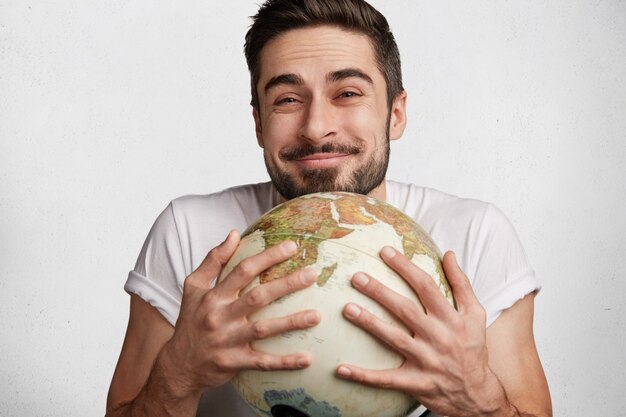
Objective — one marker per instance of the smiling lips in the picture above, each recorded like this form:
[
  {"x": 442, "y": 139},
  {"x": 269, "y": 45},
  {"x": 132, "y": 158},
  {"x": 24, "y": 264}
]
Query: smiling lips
[{"x": 322, "y": 160}]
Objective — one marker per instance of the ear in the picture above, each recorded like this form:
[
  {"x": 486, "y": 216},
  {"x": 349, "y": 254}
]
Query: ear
[
  {"x": 257, "y": 126},
  {"x": 397, "y": 122}
]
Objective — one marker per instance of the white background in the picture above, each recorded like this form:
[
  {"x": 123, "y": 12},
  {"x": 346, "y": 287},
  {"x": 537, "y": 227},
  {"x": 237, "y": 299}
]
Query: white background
[{"x": 109, "y": 109}]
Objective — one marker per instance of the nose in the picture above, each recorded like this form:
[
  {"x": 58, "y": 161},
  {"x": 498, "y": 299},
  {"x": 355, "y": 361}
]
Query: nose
[{"x": 319, "y": 121}]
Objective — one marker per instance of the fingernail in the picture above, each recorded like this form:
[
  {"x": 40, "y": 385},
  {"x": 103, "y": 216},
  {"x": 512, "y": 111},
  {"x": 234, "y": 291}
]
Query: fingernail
[
  {"x": 230, "y": 235},
  {"x": 308, "y": 276},
  {"x": 303, "y": 362},
  {"x": 288, "y": 247},
  {"x": 352, "y": 311},
  {"x": 311, "y": 318},
  {"x": 343, "y": 371},
  {"x": 388, "y": 252},
  {"x": 360, "y": 279}
]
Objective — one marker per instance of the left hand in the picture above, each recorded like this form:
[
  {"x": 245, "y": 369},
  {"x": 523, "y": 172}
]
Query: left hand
[{"x": 446, "y": 359}]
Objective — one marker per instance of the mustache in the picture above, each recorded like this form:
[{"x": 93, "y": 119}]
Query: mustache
[{"x": 307, "y": 149}]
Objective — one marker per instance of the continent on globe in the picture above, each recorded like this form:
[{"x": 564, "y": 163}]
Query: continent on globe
[
  {"x": 330, "y": 216},
  {"x": 337, "y": 235}
]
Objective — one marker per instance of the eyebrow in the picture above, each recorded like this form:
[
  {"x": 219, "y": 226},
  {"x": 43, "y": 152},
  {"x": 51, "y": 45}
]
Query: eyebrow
[
  {"x": 294, "y": 79},
  {"x": 283, "y": 79},
  {"x": 348, "y": 73}
]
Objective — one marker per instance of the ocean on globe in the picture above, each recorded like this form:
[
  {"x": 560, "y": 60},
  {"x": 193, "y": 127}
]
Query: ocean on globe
[{"x": 337, "y": 234}]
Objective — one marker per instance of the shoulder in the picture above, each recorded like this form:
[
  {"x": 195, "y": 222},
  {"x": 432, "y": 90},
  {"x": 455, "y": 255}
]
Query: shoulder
[
  {"x": 243, "y": 195},
  {"x": 192, "y": 225},
  {"x": 484, "y": 240},
  {"x": 478, "y": 231},
  {"x": 238, "y": 205},
  {"x": 432, "y": 208}
]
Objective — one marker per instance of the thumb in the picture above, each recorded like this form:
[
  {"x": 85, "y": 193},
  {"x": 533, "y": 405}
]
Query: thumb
[
  {"x": 215, "y": 260},
  {"x": 461, "y": 286}
]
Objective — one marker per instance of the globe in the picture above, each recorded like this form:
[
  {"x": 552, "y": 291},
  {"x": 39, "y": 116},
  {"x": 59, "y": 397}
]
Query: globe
[{"x": 337, "y": 234}]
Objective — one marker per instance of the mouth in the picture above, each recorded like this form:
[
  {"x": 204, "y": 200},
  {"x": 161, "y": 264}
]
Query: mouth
[
  {"x": 329, "y": 155},
  {"x": 323, "y": 160}
]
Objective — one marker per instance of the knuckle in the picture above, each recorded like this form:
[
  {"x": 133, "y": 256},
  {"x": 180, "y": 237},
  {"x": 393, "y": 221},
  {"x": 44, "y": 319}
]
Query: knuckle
[
  {"x": 189, "y": 285},
  {"x": 423, "y": 283},
  {"x": 297, "y": 322},
  {"x": 357, "y": 376},
  {"x": 457, "y": 322},
  {"x": 211, "y": 322},
  {"x": 260, "y": 330},
  {"x": 211, "y": 261},
  {"x": 275, "y": 253},
  {"x": 263, "y": 364},
  {"x": 385, "y": 381},
  {"x": 438, "y": 367},
  {"x": 255, "y": 298},
  {"x": 407, "y": 310},
  {"x": 245, "y": 268},
  {"x": 446, "y": 348},
  {"x": 405, "y": 265},
  {"x": 222, "y": 361},
  {"x": 293, "y": 283},
  {"x": 213, "y": 256},
  {"x": 368, "y": 321},
  {"x": 288, "y": 363},
  {"x": 375, "y": 289},
  {"x": 403, "y": 343}
]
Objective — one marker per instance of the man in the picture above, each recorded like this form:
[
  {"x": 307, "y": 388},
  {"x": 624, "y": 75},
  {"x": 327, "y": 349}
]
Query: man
[{"x": 327, "y": 98}]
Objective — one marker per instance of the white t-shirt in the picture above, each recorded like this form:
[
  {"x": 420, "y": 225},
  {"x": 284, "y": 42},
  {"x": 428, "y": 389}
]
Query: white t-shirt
[{"x": 486, "y": 246}]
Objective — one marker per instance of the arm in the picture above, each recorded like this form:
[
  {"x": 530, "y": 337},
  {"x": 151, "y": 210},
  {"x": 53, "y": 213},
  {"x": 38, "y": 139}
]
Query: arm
[
  {"x": 514, "y": 360},
  {"x": 451, "y": 365},
  {"x": 146, "y": 334},
  {"x": 162, "y": 371}
]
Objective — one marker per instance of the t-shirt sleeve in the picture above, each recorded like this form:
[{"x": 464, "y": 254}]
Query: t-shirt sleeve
[
  {"x": 159, "y": 273},
  {"x": 502, "y": 274}
]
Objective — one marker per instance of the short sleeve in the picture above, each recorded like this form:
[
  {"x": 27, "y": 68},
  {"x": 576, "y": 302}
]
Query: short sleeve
[
  {"x": 502, "y": 274},
  {"x": 159, "y": 273}
]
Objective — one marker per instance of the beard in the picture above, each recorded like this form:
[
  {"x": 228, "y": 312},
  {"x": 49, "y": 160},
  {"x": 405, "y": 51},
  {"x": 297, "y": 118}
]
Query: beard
[{"x": 362, "y": 180}]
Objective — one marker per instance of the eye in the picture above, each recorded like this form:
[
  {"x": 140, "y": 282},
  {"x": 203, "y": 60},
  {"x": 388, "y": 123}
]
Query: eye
[
  {"x": 286, "y": 100},
  {"x": 348, "y": 94}
]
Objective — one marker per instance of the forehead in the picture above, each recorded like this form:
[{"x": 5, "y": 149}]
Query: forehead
[{"x": 317, "y": 49}]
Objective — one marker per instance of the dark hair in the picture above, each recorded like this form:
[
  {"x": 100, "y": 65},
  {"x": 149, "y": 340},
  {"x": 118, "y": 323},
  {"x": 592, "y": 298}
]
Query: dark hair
[{"x": 279, "y": 16}]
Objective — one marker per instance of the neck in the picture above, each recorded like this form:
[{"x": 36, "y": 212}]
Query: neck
[{"x": 379, "y": 193}]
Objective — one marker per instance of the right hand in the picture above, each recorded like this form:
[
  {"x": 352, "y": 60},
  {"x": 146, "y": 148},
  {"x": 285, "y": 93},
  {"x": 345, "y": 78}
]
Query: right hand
[{"x": 213, "y": 334}]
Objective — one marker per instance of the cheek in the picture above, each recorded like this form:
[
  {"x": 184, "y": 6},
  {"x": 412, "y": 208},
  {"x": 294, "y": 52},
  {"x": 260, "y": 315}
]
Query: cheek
[
  {"x": 277, "y": 132},
  {"x": 364, "y": 121}
]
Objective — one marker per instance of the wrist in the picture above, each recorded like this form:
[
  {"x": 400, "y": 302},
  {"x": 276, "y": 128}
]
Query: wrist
[
  {"x": 176, "y": 382},
  {"x": 495, "y": 402},
  {"x": 163, "y": 395}
]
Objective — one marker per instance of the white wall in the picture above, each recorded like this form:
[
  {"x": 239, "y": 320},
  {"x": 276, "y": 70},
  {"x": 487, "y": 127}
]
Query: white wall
[{"x": 109, "y": 109}]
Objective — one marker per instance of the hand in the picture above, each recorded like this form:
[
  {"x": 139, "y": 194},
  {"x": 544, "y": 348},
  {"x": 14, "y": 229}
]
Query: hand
[
  {"x": 211, "y": 342},
  {"x": 445, "y": 365}
]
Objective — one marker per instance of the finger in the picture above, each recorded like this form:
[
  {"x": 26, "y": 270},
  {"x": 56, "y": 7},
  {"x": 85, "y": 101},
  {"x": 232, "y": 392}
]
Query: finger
[
  {"x": 423, "y": 284},
  {"x": 262, "y": 329},
  {"x": 461, "y": 287},
  {"x": 215, "y": 260},
  {"x": 406, "y": 310},
  {"x": 386, "y": 378},
  {"x": 394, "y": 337},
  {"x": 251, "y": 267},
  {"x": 265, "y": 362},
  {"x": 263, "y": 295},
  {"x": 397, "y": 379}
]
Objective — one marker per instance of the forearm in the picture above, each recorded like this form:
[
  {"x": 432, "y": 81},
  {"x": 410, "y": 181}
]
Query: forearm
[
  {"x": 504, "y": 407},
  {"x": 165, "y": 394}
]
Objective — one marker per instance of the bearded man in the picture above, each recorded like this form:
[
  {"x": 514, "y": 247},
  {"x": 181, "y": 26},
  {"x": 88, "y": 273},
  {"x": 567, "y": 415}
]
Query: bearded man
[{"x": 327, "y": 99}]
